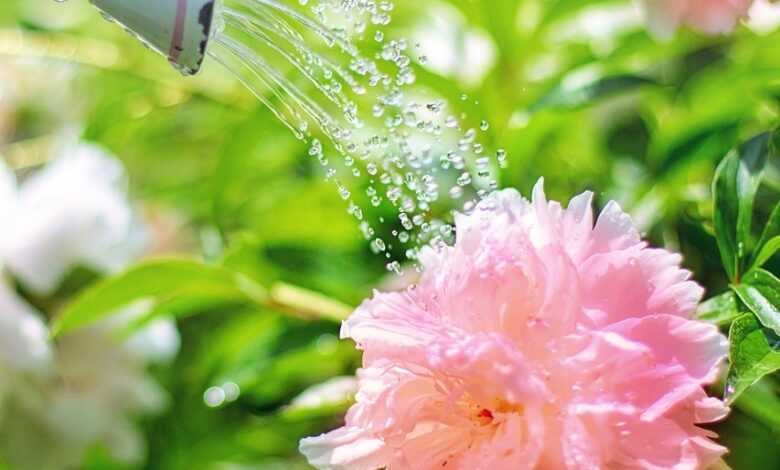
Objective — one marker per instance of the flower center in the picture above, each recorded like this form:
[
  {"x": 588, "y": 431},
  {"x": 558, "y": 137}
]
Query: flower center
[{"x": 486, "y": 416}]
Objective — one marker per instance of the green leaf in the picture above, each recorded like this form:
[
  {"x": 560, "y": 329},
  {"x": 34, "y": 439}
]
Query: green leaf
[
  {"x": 750, "y": 431},
  {"x": 720, "y": 310},
  {"x": 762, "y": 403},
  {"x": 751, "y": 356},
  {"x": 574, "y": 96},
  {"x": 183, "y": 302},
  {"x": 734, "y": 189},
  {"x": 163, "y": 281},
  {"x": 766, "y": 251},
  {"x": 760, "y": 291},
  {"x": 769, "y": 243}
]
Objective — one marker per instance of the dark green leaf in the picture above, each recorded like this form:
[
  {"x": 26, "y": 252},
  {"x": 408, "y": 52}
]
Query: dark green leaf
[
  {"x": 751, "y": 356},
  {"x": 760, "y": 291},
  {"x": 720, "y": 310},
  {"x": 162, "y": 281},
  {"x": 734, "y": 189}
]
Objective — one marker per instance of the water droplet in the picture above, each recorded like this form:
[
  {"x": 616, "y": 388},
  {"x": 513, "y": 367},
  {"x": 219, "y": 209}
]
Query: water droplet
[
  {"x": 214, "y": 397},
  {"x": 464, "y": 179},
  {"x": 378, "y": 245},
  {"x": 232, "y": 391},
  {"x": 501, "y": 157},
  {"x": 395, "y": 267}
]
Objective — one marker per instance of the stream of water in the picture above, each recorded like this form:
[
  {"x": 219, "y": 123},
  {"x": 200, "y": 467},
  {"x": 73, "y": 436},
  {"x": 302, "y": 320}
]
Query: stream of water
[{"x": 332, "y": 74}]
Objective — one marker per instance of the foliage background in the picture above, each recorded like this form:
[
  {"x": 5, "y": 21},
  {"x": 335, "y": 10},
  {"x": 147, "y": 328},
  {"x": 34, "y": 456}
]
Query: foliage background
[{"x": 578, "y": 93}]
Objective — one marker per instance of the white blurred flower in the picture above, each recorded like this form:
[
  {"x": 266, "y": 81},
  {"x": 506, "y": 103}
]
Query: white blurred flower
[
  {"x": 8, "y": 192},
  {"x": 88, "y": 387},
  {"x": 73, "y": 212},
  {"x": 764, "y": 16},
  {"x": 24, "y": 338},
  {"x": 601, "y": 26},
  {"x": 157, "y": 342},
  {"x": 98, "y": 388},
  {"x": 452, "y": 48}
]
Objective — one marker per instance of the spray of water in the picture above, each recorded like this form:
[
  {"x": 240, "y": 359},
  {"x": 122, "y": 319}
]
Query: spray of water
[{"x": 359, "y": 113}]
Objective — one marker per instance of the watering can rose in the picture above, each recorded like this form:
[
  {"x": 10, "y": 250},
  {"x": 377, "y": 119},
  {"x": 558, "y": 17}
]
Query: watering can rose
[
  {"x": 539, "y": 340},
  {"x": 706, "y": 16}
]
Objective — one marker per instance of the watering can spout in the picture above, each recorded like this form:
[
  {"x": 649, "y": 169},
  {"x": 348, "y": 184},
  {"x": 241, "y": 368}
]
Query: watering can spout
[{"x": 178, "y": 29}]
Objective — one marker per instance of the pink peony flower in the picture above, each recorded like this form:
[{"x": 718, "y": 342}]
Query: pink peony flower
[
  {"x": 707, "y": 16},
  {"x": 537, "y": 341}
]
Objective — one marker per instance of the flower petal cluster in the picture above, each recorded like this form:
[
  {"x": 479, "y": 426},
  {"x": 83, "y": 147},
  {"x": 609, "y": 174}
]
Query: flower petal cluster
[{"x": 539, "y": 340}]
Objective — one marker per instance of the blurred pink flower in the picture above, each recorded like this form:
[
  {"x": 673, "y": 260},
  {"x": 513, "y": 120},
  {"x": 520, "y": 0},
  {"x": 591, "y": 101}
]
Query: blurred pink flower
[
  {"x": 707, "y": 16},
  {"x": 537, "y": 341}
]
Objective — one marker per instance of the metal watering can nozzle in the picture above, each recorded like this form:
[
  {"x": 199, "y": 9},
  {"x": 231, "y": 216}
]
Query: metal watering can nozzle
[{"x": 178, "y": 29}]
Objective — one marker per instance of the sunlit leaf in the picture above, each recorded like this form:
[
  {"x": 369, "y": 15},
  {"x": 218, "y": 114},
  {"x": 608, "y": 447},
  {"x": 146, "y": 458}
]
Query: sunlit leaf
[
  {"x": 751, "y": 356},
  {"x": 720, "y": 310},
  {"x": 760, "y": 291},
  {"x": 160, "y": 281}
]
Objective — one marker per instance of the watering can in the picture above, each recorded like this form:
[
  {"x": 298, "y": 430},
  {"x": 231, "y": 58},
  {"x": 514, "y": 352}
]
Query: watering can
[{"x": 177, "y": 29}]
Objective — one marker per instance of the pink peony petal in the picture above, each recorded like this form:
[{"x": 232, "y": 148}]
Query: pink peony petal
[{"x": 707, "y": 16}]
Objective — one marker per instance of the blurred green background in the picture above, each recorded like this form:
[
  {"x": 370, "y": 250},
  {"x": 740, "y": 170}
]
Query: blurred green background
[{"x": 575, "y": 91}]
